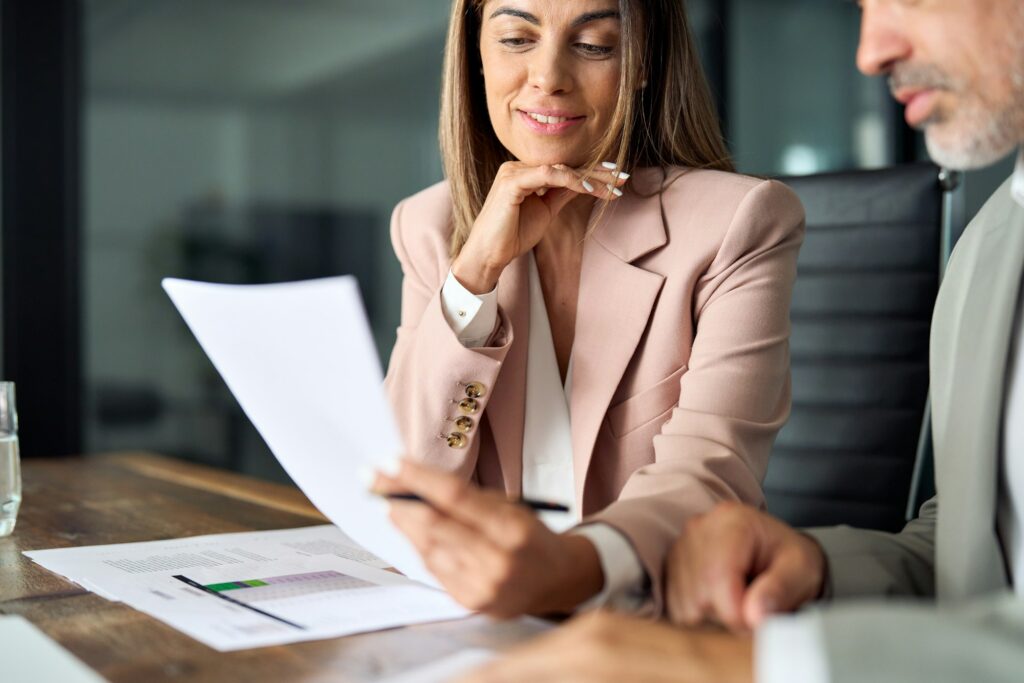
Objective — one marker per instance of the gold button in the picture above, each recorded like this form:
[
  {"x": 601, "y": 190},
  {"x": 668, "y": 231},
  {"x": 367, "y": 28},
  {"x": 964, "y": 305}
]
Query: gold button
[
  {"x": 464, "y": 424},
  {"x": 456, "y": 440},
  {"x": 475, "y": 390},
  {"x": 468, "y": 406}
]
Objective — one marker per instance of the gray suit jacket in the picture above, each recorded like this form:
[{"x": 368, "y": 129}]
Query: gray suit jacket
[{"x": 974, "y": 630}]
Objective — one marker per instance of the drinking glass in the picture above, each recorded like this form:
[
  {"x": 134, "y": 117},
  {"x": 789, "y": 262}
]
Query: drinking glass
[{"x": 10, "y": 465}]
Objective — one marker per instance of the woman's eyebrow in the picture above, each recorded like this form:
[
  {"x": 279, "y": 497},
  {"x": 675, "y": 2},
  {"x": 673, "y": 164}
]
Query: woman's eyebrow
[
  {"x": 526, "y": 16},
  {"x": 594, "y": 16},
  {"x": 578, "y": 21}
]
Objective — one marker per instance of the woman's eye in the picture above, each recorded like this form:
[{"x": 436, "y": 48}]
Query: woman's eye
[
  {"x": 513, "y": 42},
  {"x": 595, "y": 50}
]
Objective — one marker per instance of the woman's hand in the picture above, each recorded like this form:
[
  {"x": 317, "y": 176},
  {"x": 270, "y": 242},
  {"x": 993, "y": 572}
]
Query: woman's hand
[
  {"x": 491, "y": 555},
  {"x": 522, "y": 204}
]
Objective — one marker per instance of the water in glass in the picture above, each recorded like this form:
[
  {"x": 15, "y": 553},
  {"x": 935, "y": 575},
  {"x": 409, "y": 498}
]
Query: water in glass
[
  {"x": 10, "y": 462},
  {"x": 10, "y": 483}
]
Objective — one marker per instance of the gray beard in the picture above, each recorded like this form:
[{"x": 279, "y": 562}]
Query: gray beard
[
  {"x": 991, "y": 134},
  {"x": 991, "y": 142}
]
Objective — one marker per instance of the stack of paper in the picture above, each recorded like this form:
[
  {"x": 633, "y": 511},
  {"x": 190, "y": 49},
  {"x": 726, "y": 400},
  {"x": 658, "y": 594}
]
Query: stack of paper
[{"x": 235, "y": 591}]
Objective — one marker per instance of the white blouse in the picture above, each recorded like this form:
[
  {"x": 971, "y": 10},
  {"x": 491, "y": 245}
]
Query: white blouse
[{"x": 547, "y": 437}]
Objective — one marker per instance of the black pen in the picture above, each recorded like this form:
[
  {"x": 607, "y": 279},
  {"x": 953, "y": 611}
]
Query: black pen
[{"x": 535, "y": 505}]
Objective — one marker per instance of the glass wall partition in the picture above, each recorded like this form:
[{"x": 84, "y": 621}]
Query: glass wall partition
[
  {"x": 267, "y": 140},
  {"x": 238, "y": 141}
]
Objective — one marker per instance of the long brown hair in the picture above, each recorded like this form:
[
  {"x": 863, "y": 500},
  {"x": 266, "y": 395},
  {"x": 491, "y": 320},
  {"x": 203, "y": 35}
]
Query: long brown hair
[{"x": 672, "y": 122}]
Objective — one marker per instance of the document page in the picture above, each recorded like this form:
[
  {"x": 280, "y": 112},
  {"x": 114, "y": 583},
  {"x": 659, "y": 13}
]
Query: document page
[
  {"x": 300, "y": 360},
  {"x": 243, "y": 590},
  {"x": 30, "y": 656}
]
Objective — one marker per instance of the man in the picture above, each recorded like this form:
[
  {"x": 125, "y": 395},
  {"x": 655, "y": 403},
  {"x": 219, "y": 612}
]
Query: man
[{"x": 958, "y": 66}]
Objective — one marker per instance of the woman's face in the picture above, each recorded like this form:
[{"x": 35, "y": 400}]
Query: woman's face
[{"x": 551, "y": 72}]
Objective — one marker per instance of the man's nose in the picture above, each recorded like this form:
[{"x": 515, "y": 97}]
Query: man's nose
[{"x": 883, "y": 42}]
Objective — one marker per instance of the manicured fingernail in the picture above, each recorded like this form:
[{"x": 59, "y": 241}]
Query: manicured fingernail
[
  {"x": 609, "y": 165},
  {"x": 614, "y": 190},
  {"x": 391, "y": 466},
  {"x": 587, "y": 186},
  {"x": 622, "y": 175}
]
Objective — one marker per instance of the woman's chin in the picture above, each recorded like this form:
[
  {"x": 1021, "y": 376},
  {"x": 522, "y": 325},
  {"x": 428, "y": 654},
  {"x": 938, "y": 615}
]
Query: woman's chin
[
  {"x": 550, "y": 159},
  {"x": 549, "y": 155}
]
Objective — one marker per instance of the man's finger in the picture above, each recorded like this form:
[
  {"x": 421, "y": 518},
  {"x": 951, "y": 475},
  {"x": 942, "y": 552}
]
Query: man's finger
[
  {"x": 782, "y": 587},
  {"x": 725, "y": 566}
]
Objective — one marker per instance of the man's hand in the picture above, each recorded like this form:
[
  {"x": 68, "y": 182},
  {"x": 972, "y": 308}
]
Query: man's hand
[
  {"x": 491, "y": 555},
  {"x": 736, "y": 566},
  {"x": 605, "y": 648}
]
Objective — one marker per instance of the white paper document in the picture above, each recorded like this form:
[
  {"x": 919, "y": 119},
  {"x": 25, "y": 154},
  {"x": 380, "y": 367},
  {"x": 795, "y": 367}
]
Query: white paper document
[
  {"x": 299, "y": 358},
  {"x": 27, "y": 655},
  {"x": 252, "y": 589}
]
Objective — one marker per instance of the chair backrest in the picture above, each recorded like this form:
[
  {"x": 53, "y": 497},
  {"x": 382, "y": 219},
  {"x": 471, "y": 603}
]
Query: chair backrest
[{"x": 868, "y": 275}]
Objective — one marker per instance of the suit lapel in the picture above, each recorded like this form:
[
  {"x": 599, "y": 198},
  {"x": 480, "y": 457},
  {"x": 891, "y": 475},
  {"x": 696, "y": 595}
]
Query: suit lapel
[
  {"x": 507, "y": 410},
  {"x": 615, "y": 302},
  {"x": 967, "y": 455}
]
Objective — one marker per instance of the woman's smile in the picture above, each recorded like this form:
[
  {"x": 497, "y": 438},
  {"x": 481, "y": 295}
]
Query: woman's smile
[{"x": 550, "y": 121}]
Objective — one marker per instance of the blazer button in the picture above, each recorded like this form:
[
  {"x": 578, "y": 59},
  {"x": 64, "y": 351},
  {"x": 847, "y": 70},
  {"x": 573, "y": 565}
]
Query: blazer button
[
  {"x": 468, "y": 406},
  {"x": 456, "y": 440},
  {"x": 464, "y": 424},
  {"x": 475, "y": 390}
]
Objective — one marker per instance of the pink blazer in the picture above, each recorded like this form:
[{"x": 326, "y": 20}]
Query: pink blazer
[{"x": 680, "y": 359}]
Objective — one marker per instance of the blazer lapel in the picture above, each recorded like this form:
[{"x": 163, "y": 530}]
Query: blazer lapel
[
  {"x": 506, "y": 411},
  {"x": 615, "y": 301},
  {"x": 967, "y": 457}
]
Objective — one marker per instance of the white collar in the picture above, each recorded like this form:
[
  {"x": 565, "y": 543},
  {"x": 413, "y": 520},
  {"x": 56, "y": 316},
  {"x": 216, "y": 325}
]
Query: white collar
[{"x": 1017, "y": 186}]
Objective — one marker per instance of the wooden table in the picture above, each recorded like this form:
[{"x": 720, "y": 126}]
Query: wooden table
[{"x": 121, "y": 498}]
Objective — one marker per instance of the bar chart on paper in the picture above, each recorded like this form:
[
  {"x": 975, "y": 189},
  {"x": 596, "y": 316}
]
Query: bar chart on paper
[
  {"x": 237, "y": 591},
  {"x": 307, "y": 600},
  {"x": 290, "y": 586}
]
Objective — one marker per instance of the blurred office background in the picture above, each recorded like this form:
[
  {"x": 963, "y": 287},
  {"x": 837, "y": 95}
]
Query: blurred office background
[{"x": 268, "y": 140}]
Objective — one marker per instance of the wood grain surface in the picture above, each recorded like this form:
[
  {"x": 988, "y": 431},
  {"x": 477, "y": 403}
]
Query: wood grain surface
[{"x": 120, "y": 498}]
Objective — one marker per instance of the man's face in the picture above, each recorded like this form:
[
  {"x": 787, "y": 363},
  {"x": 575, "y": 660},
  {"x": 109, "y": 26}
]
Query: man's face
[{"x": 958, "y": 66}]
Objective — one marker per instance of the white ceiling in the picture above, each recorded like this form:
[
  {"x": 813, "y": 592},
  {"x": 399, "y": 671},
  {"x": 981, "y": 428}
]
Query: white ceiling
[{"x": 246, "y": 49}]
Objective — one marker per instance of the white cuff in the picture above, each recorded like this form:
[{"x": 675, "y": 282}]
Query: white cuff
[
  {"x": 790, "y": 649},
  {"x": 624, "y": 575},
  {"x": 472, "y": 317}
]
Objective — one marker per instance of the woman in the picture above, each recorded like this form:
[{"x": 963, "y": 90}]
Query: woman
[{"x": 573, "y": 332}]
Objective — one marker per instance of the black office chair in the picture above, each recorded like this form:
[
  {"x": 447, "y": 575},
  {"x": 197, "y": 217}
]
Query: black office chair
[{"x": 868, "y": 275}]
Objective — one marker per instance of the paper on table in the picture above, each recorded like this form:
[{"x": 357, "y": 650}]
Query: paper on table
[
  {"x": 300, "y": 360},
  {"x": 30, "y": 656},
  {"x": 298, "y": 585}
]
